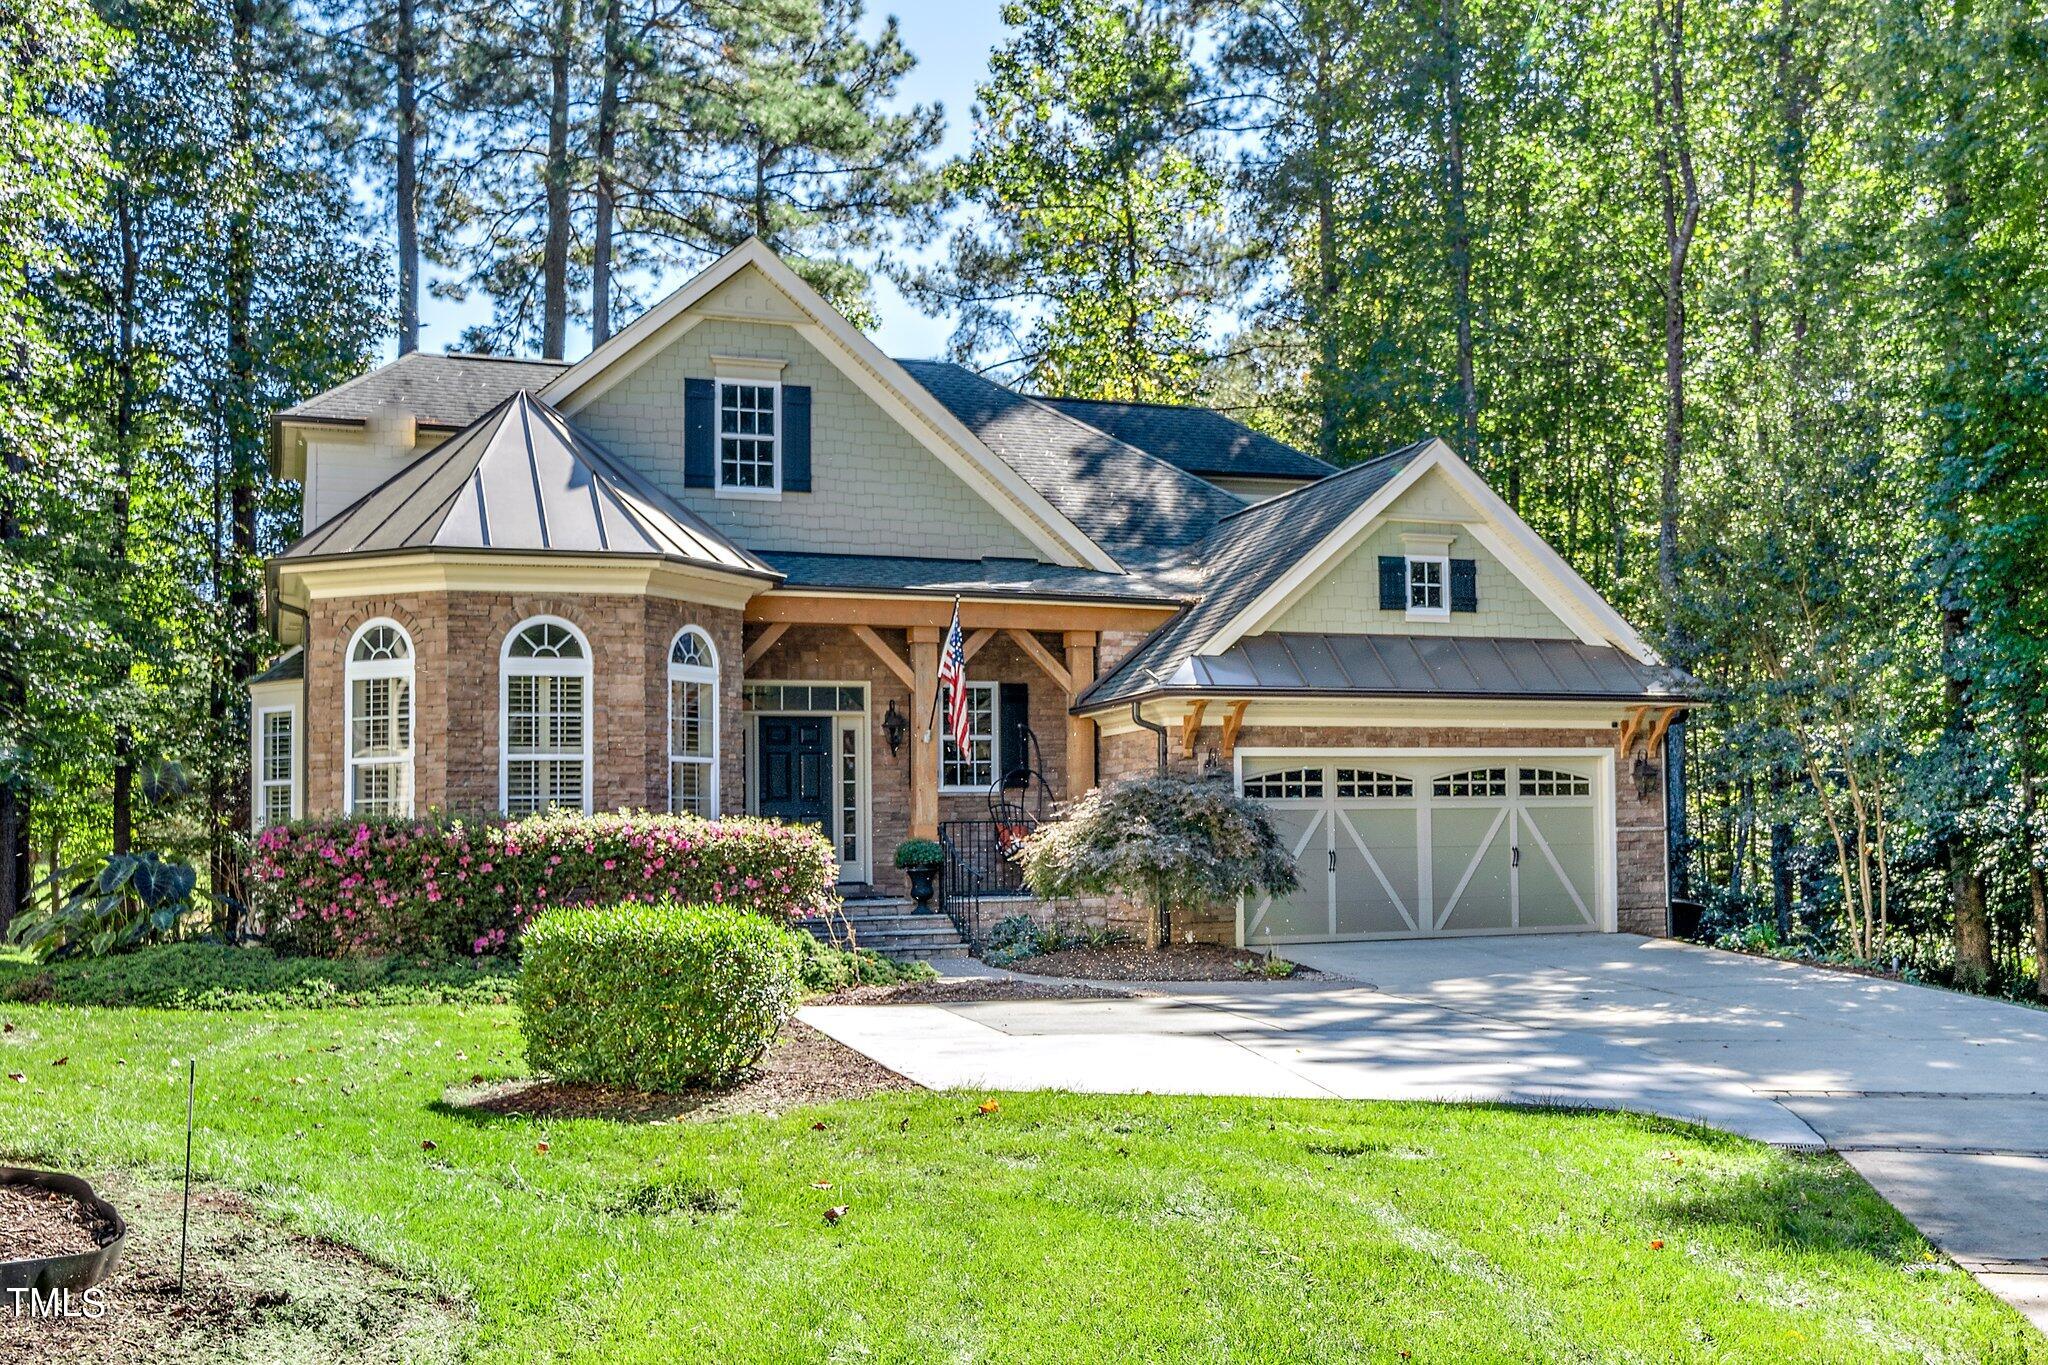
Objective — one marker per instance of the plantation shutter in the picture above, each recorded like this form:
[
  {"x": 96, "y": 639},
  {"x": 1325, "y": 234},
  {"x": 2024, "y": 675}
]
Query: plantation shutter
[
  {"x": 1013, "y": 722},
  {"x": 1464, "y": 585},
  {"x": 1393, "y": 583},
  {"x": 796, "y": 438},
  {"x": 700, "y": 415}
]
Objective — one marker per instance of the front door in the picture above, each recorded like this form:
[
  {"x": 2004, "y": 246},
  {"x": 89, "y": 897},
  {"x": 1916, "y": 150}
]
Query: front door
[{"x": 795, "y": 767}]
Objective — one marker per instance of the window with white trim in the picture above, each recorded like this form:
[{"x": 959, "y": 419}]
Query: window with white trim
[
  {"x": 693, "y": 724},
  {"x": 1479, "y": 782},
  {"x": 1551, "y": 782},
  {"x": 749, "y": 437},
  {"x": 974, "y": 770},
  {"x": 544, "y": 718},
  {"x": 277, "y": 797},
  {"x": 379, "y": 720},
  {"x": 1429, "y": 585},
  {"x": 1291, "y": 784},
  {"x": 1363, "y": 784}
]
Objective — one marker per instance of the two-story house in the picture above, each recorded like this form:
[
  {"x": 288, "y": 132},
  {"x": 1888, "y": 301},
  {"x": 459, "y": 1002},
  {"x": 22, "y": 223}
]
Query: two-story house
[{"x": 708, "y": 568}]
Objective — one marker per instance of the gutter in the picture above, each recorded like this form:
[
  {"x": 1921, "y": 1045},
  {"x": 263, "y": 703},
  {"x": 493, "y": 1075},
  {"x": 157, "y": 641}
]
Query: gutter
[
  {"x": 1087, "y": 708},
  {"x": 1138, "y": 719}
]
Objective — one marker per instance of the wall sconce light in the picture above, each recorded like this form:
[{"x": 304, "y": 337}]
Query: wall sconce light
[
  {"x": 1646, "y": 774},
  {"x": 894, "y": 726}
]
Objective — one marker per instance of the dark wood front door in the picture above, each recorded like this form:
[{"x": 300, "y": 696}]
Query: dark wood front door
[{"x": 795, "y": 762}]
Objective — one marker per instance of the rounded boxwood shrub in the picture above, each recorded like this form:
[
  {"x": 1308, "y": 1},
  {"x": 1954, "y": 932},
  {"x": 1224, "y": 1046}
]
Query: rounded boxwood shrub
[{"x": 653, "y": 997}]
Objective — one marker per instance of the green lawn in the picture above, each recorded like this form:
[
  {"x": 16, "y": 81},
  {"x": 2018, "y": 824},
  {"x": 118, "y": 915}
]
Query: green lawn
[{"x": 1058, "y": 1228}]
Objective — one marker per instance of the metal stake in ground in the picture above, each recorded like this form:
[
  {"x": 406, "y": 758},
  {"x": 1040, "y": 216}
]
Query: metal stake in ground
[{"x": 185, "y": 1222}]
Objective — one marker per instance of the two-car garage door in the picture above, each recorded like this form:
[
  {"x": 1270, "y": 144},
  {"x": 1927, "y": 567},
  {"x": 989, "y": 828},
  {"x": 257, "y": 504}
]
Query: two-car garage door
[{"x": 1404, "y": 846}]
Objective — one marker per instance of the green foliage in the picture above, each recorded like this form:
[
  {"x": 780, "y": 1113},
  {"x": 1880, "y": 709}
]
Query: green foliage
[
  {"x": 133, "y": 897},
  {"x": 1161, "y": 841},
  {"x": 213, "y": 976},
  {"x": 654, "y": 997},
  {"x": 920, "y": 853},
  {"x": 1015, "y": 937},
  {"x": 824, "y": 968}
]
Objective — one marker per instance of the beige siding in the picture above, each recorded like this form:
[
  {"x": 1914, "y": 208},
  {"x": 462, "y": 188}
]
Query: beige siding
[
  {"x": 1346, "y": 600},
  {"x": 1252, "y": 490},
  {"x": 339, "y": 472},
  {"x": 875, "y": 489}
]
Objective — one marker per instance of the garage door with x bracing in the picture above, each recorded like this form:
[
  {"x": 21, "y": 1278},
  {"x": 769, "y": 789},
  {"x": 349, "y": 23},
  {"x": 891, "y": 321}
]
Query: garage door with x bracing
[{"x": 1389, "y": 848}]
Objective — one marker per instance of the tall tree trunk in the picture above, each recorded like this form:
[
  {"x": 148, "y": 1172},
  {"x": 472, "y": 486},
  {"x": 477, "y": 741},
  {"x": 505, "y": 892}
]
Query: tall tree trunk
[
  {"x": 1681, "y": 203},
  {"x": 1458, "y": 223},
  {"x": 555, "y": 180},
  {"x": 2030, "y": 843},
  {"x": 607, "y": 149},
  {"x": 14, "y": 789},
  {"x": 123, "y": 796},
  {"x": 1966, "y": 879},
  {"x": 406, "y": 56}
]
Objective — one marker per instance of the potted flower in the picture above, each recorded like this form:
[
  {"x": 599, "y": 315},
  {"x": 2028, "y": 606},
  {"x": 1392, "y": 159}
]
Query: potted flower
[{"x": 921, "y": 858}]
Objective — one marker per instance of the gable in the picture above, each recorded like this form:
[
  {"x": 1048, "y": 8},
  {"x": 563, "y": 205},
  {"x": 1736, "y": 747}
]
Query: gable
[
  {"x": 1345, "y": 600},
  {"x": 875, "y": 487}
]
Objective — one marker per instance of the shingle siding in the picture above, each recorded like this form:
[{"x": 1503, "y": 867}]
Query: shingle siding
[{"x": 875, "y": 488}]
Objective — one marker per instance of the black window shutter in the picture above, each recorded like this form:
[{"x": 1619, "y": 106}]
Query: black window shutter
[
  {"x": 796, "y": 438},
  {"x": 1464, "y": 585},
  {"x": 700, "y": 404},
  {"x": 1393, "y": 583},
  {"x": 1013, "y": 721}
]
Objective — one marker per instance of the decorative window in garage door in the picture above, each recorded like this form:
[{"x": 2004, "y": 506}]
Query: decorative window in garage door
[
  {"x": 1479, "y": 782},
  {"x": 1550, "y": 782},
  {"x": 1355, "y": 784},
  {"x": 1294, "y": 784}
]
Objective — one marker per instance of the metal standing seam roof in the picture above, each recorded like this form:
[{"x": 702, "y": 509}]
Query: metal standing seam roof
[
  {"x": 1238, "y": 560},
  {"x": 1138, "y": 507},
  {"x": 521, "y": 478},
  {"x": 1429, "y": 665},
  {"x": 1199, "y": 440},
  {"x": 449, "y": 390}
]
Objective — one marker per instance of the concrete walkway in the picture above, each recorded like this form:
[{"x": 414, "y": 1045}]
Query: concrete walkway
[{"x": 1939, "y": 1100}]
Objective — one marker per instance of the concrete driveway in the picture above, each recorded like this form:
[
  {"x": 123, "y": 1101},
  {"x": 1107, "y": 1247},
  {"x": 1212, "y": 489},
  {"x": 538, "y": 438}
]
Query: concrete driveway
[{"x": 1939, "y": 1100}]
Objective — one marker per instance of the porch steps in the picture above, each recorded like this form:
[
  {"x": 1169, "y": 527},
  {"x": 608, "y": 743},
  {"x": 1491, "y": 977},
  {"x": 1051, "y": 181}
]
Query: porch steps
[{"x": 893, "y": 928}]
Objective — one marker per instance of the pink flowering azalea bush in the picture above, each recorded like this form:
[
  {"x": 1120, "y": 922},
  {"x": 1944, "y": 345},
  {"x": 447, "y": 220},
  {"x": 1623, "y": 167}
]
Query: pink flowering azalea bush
[{"x": 447, "y": 885}]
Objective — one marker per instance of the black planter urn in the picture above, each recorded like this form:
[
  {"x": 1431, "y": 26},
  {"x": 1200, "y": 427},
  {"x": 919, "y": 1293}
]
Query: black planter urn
[{"x": 923, "y": 881}]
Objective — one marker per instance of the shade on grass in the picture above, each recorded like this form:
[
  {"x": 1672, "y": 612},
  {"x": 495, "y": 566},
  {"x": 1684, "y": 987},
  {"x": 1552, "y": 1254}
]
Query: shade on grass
[{"x": 1056, "y": 1228}]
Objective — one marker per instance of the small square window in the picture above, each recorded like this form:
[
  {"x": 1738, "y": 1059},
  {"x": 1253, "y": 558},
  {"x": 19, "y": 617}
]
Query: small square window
[
  {"x": 1428, "y": 586},
  {"x": 749, "y": 443}
]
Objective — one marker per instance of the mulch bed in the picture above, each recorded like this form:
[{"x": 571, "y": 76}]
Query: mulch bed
[
  {"x": 253, "y": 1291},
  {"x": 802, "y": 1067},
  {"x": 36, "y": 1223},
  {"x": 1182, "y": 962},
  {"x": 966, "y": 990}
]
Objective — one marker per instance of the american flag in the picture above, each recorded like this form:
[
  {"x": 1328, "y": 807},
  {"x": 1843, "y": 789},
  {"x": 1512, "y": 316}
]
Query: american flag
[{"x": 953, "y": 679}]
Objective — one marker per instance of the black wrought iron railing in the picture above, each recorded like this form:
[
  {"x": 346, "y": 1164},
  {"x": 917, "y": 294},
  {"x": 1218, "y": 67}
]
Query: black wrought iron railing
[{"x": 976, "y": 867}]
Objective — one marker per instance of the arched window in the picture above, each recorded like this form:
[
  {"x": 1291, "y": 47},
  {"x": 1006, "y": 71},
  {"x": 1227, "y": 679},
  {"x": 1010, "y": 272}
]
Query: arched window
[
  {"x": 693, "y": 724},
  {"x": 379, "y": 720},
  {"x": 544, "y": 718}
]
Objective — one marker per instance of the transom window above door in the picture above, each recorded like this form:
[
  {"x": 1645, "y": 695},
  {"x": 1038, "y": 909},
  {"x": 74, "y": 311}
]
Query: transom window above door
[
  {"x": 1360, "y": 784},
  {"x": 1481, "y": 782},
  {"x": 748, "y": 438},
  {"x": 1292, "y": 784}
]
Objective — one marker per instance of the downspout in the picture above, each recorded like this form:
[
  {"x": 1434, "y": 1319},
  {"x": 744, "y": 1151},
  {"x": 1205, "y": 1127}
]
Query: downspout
[
  {"x": 304, "y": 720},
  {"x": 1158, "y": 894}
]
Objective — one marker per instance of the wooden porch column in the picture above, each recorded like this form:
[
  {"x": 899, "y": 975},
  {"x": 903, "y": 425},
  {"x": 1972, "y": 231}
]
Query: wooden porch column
[
  {"x": 924, "y": 733},
  {"x": 1080, "y": 730}
]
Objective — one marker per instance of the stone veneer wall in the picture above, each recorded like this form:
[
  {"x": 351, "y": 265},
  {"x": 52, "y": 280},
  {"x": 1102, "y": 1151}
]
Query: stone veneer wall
[
  {"x": 831, "y": 654},
  {"x": 458, "y": 639},
  {"x": 1641, "y": 902}
]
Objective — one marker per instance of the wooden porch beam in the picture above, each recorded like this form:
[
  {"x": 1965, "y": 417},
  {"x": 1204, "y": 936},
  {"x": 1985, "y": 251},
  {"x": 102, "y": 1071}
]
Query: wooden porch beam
[
  {"x": 924, "y": 738},
  {"x": 1664, "y": 719},
  {"x": 1080, "y": 646},
  {"x": 888, "y": 656},
  {"x": 1233, "y": 721},
  {"x": 1042, "y": 656},
  {"x": 827, "y": 609},
  {"x": 1191, "y": 727},
  {"x": 1631, "y": 727},
  {"x": 974, "y": 642},
  {"x": 764, "y": 642}
]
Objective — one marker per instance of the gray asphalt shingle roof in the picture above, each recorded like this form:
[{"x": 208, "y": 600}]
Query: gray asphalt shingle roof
[
  {"x": 522, "y": 478},
  {"x": 450, "y": 390},
  {"x": 1136, "y": 506},
  {"x": 1424, "y": 665},
  {"x": 945, "y": 577},
  {"x": 1199, "y": 440},
  {"x": 1239, "y": 559}
]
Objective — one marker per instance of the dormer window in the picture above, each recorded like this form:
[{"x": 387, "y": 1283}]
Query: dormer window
[{"x": 749, "y": 439}]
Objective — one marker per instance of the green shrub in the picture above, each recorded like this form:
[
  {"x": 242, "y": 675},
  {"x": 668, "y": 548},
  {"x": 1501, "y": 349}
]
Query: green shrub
[
  {"x": 654, "y": 997},
  {"x": 825, "y": 968},
  {"x": 913, "y": 853},
  {"x": 435, "y": 884},
  {"x": 210, "y": 976}
]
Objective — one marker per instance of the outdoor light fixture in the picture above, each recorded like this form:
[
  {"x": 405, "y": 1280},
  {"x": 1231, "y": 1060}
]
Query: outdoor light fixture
[
  {"x": 1646, "y": 774},
  {"x": 894, "y": 724}
]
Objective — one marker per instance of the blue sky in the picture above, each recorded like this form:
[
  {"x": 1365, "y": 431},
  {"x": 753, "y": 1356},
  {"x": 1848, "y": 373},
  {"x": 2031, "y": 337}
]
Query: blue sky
[{"x": 951, "y": 40}]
